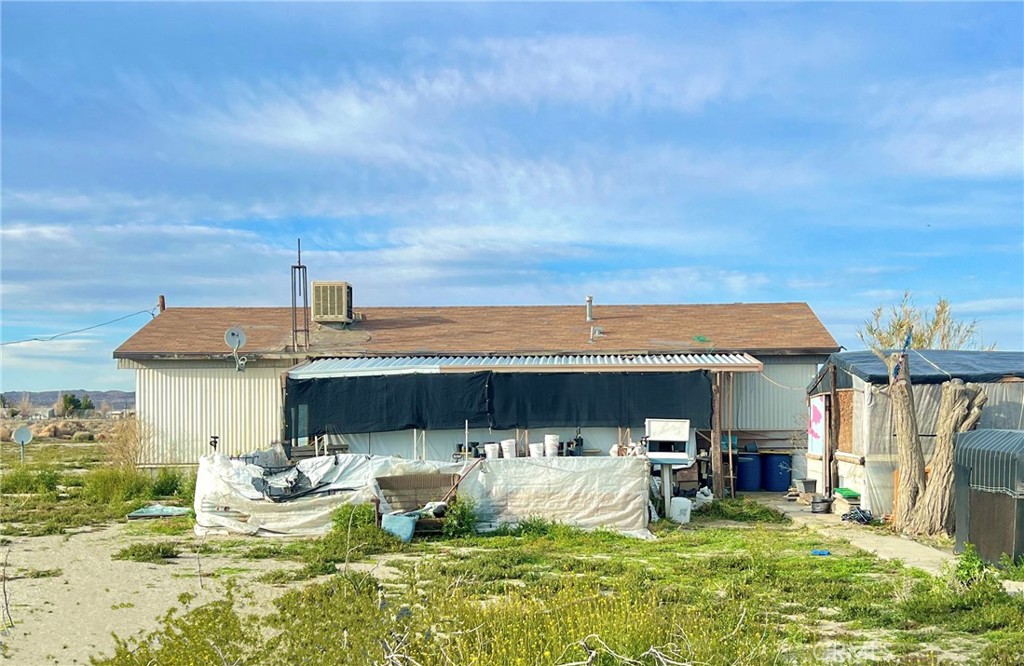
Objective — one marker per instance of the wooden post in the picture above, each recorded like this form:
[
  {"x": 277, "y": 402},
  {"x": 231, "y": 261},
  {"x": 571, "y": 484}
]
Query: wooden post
[
  {"x": 832, "y": 475},
  {"x": 717, "y": 479},
  {"x": 732, "y": 461}
]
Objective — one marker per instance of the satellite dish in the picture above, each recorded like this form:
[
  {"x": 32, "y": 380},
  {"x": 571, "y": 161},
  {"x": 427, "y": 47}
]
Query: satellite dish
[
  {"x": 22, "y": 435},
  {"x": 235, "y": 338}
]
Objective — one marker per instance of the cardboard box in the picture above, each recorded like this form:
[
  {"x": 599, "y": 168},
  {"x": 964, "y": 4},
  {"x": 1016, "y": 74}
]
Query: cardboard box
[
  {"x": 841, "y": 505},
  {"x": 686, "y": 475}
]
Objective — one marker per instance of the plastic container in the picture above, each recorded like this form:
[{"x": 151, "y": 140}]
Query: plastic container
[
  {"x": 776, "y": 472},
  {"x": 748, "y": 473},
  {"x": 401, "y": 525},
  {"x": 807, "y": 485},
  {"x": 508, "y": 448},
  {"x": 491, "y": 450},
  {"x": 679, "y": 510},
  {"x": 537, "y": 450},
  {"x": 551, "y": 446}
]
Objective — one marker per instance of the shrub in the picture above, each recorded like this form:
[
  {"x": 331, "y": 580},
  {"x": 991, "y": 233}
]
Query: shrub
[
  {"x": 741, "y": 509},
  {"x": 24, "y": 480},
  {"x": 354, "y": 535},
  {"x": 971, "y": 572},
  {"x": 82, "y": 436},
  {"x": 128, "y": 440},
  {"x": 1010, "y": 570},
  {"x": 148, "y": 552},
  {"x": 167, "y": 482},
  {"x": 106, "y": 485},
  {"x": 187, "y": 488},
  {"x": 47, "y": 480},
  {"x": 18, "y": 481},
  {"x": 460, "y": 520}
]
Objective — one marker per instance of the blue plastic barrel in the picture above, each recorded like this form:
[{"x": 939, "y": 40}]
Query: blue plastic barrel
[
  {"x": 775, "y": 472},
  {"x": 748, "y": 473}
]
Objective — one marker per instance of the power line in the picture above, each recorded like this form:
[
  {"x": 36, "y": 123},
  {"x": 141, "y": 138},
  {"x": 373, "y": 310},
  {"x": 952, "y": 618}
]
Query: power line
[{"x": 80, "y": 330}]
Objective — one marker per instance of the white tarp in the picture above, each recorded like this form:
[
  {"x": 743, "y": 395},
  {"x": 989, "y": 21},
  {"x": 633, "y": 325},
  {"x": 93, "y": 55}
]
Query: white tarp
[{"x": 588, "y": 492}]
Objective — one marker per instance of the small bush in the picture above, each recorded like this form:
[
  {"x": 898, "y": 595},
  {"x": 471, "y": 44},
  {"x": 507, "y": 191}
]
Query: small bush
[
  {"x": 971, "y": 572},
  {"x": 741, "y": 509},
  {"x": 186, "y": 491},
  {"x": 24, "y": 480},
  {"x": 148, "y": 552},
  {"x": 167, "y": 482},
  {"x": 460, "y": 520},
  {"x": 127, "y": 443},
  {"x": 82, "y": 436},
  {"x": 354, "y": 535},
  {"x": 1010, "y": 570},
  {"x": 108, "y": 485},
  {"x": 47, "y": 480},
  {"x": 18, "y": 481}
]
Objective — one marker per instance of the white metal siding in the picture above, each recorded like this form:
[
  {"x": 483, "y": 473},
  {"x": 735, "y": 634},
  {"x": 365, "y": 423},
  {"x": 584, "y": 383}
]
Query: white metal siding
[
  {"x": 180, "y": 407},
  {"x": 761, "y": 404}
]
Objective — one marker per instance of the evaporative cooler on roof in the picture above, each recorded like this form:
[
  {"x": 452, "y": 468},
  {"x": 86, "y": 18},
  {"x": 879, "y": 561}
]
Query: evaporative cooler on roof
[{"x": 332, "y": 302}]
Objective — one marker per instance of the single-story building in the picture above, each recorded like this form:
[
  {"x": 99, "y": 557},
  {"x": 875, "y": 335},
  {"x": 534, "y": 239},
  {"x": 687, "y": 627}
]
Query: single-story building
[
  {"x": 410, "y": 381},
  {"x": 864, "y": 442}
]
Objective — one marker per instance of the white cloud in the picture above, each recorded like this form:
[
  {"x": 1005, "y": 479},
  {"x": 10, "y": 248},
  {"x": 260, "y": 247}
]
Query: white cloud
[
  {"x": 984, "y": 306},
  {"x": 956, "y": 128}
]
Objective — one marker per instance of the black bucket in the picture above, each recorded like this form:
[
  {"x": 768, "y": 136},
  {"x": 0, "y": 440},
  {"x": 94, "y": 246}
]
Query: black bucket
[{"x": 821, "y": 505}]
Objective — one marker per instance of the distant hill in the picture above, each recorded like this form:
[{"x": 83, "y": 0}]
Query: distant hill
[{"x": 116, "y": 399}]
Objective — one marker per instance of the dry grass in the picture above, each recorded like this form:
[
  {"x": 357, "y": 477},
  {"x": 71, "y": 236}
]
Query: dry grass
[{"x": 126, "y": 444}]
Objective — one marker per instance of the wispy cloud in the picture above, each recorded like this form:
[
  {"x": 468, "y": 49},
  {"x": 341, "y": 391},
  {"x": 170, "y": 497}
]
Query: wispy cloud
[{"x": 963, "y": 127}]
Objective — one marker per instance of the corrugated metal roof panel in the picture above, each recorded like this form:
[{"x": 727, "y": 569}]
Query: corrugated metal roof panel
[
  {"x": 351, "y": 367},
  {"x": 995, "y": 458}
]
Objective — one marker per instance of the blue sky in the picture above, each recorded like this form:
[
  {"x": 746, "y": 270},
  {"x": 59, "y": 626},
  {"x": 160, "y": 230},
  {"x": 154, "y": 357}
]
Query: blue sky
[{"x": 836, "y": 154}]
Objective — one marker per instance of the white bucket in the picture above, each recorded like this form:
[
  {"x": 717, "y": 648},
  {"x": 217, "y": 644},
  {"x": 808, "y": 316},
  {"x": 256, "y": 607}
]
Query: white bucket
[
  {"x": 508, "y": 448},
  {"x": 550, "y": 445},
  {"x": 679, "y": 509},
  {"x": 491, "y": 450},
  {"x": 537, "y": 450}
]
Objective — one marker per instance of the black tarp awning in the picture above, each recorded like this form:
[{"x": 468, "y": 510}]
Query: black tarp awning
[
  {"x": 386, "y": 403},
  {"x": 502, "y": 401},
  {"x": 927, "y": 366},
  {"x": 529, "y": 400}
]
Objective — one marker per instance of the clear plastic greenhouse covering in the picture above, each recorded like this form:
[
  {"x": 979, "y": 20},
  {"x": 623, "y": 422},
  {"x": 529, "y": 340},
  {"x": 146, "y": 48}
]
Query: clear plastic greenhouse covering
[
  {"x": 348, "y": 405},
  {"x": 590, "y": 493},
  {"x": 927, "y": 366}
]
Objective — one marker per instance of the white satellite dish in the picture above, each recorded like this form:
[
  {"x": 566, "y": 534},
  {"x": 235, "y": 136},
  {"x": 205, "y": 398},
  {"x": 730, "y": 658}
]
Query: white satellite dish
[
  {"x": 22, "y": 435},
  {"x": 235, "y": 337}
]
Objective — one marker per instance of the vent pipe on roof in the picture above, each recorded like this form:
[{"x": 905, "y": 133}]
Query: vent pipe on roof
[
  {"x": 161, "y": 303},
  {"x": 590, "y": 308}
]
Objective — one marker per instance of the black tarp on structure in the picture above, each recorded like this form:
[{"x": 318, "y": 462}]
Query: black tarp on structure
[
  {"x": 343, "y": 405},
  {"x": 927, "y": 366},
  {"x": 607, "y": 399},
  {"x": 348, "y": 405}
]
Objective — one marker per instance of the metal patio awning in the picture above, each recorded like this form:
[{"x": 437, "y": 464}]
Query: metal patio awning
[{"x": 405, "y": 365}]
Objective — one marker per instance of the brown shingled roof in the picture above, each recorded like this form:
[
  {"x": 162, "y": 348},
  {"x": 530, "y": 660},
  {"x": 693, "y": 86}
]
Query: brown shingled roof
[{"x": 752, "y": 327}]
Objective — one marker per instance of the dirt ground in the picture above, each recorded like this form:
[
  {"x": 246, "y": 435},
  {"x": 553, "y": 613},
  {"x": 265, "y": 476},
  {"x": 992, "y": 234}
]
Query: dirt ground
[{"x": 66, "y": 618}]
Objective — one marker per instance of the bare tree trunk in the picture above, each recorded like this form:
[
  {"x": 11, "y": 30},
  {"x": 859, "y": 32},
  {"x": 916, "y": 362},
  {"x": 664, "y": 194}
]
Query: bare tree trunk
[
  {"x": 908, "y": 442},
  {"x": 959, "y": 411}
]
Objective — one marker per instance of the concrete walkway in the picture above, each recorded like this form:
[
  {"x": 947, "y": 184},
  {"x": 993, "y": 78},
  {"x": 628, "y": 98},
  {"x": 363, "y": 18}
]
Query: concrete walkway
[{"x": 885, "y": 546}]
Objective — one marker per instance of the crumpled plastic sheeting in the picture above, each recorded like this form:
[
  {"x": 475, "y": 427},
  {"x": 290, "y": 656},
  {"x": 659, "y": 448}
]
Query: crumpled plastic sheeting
[
  {"x": 589, "y": 493},
  {"x": 227, "y": 502}
]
